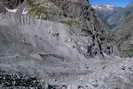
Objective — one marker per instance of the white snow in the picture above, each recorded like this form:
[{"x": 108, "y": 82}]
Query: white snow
[
  {"x": 11, "y": 10},
  {"x": 103, "y": 7}
]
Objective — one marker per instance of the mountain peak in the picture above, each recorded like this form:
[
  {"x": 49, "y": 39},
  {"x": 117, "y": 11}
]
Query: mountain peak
[{"x": 103, "y": 6}]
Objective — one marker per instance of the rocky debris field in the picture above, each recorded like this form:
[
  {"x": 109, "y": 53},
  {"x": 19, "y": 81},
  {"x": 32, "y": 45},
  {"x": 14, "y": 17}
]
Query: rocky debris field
[{"x": 18, "y": 80}]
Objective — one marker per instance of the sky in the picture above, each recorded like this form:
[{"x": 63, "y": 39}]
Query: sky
[{"x": 121, "y": 3}]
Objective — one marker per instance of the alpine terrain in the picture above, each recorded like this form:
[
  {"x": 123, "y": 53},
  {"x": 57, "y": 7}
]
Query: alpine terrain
[{"x": 60, "y": 44}]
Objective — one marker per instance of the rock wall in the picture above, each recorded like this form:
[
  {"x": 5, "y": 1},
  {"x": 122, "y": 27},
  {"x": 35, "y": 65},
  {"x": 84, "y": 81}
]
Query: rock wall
[
  {"x": 79, "y": 16},
  {"x": 59, "y": 54}
]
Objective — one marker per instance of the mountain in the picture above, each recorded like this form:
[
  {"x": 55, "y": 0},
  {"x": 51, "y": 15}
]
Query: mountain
[
  {"x": 124, "y": 38},
  {"x": 124, "y": 33},
  {"x": 112, "y": 15},
  {"x": 59, "y": 44},
  {"x": 104, "y": 7},
  {"x": 119, "y": 21},
  {"x": 108, "y": 13},
  {"x": 104, "y": 11},
  {"x": 122, "y": 16}
]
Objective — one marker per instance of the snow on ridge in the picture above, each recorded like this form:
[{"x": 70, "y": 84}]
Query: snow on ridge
[{"x": 103, "y": 6}]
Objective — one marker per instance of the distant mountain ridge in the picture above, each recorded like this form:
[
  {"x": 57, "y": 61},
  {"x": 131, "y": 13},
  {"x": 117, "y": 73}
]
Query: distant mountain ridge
[
  {"x": 106, "y": 12},
  {"x": 103, "y": 7},
  {"x": 124, "y": 32},
  {"x": 120, "y": 23}
]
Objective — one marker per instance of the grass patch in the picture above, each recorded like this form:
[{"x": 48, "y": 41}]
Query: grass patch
[
  {"x": 128, "y": 52},
  {"x": 71, "y": 22}
]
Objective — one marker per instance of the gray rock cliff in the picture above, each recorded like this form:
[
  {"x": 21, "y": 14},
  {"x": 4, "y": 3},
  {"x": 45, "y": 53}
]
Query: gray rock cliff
[{"x": 67, "y": 53}]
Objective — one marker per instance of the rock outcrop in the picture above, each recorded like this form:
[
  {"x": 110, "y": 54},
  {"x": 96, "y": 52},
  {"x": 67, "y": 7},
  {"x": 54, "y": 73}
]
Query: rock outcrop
[
  {"x": 81, "y": 19},
  {"x": 63, "y": 51}
]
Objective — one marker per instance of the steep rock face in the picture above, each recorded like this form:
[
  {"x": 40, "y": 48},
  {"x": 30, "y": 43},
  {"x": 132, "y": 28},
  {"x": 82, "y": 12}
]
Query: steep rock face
[
  {"x": 44, "y": 53},
  {"x": 54, "y": 54},
  {"x": 82, "y": 18}
]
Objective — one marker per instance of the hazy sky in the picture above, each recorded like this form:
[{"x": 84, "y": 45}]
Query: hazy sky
[{"x": 114, "y": 2}]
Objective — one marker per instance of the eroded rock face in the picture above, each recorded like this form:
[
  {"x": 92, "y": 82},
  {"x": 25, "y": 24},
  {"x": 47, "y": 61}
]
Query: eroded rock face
[
  {"x": 80, "y": 17},
  {"x": 78, "y": 14},
  {"x": 58, "y": 54},
  {"x": 49, "y": 54}
]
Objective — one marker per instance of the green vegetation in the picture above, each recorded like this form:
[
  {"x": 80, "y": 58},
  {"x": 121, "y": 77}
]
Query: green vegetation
[
  {"x": 43, "y": 9},
  {"x": 36, "y": 10},
  {"x": 71, "y": 22},
  {"x": 128, "y": 52}
]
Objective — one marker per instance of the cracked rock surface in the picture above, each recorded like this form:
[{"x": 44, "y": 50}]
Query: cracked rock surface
[
  {"x": 47, "y": 54},
  {"x": 46, "y": 51}
]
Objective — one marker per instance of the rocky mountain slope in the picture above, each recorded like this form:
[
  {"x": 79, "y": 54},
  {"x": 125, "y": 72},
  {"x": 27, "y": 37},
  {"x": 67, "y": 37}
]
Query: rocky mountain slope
[
  {"x": 104, "y": 11},
  {"x": 124, "y": 37},
  {"x": 112, "y": 15},
  {"x": 109, "y": 14},
  {"x": 63, "y": 50},
  {"x": 120, "y": 23},
  {"x": 123, "y": 31}
]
